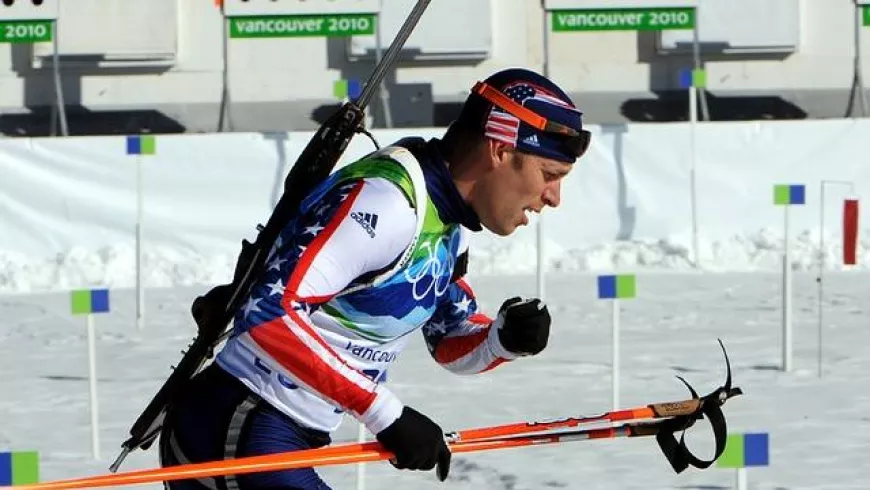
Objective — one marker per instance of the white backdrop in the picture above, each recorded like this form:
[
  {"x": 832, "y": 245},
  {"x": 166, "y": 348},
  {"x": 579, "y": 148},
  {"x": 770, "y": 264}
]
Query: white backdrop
[{"x": 204, "y": 193}]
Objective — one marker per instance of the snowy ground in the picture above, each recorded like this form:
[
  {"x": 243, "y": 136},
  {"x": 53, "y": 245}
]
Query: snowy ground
[
  {"x": 115, "y": 265},
  {"x": 819, "y": 426}
]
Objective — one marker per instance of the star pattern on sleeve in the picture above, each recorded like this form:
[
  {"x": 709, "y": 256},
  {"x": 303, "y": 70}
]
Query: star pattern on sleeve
[
  {"x": 438, "y": 327},
  {"x": 463, "y": 305},
  {"x": 457, "y": 306},
  {"x": 265, "y": 302},
  {"x": 276, "y": 287},
  {"x": 251, "y": 306}
]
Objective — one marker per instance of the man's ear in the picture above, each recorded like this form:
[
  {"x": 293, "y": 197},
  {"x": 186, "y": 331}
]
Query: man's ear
[{"x": 499, "y": 152}]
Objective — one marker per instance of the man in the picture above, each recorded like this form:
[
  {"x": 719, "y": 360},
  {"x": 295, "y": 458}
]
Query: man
[{"x": 377, "y": 252}]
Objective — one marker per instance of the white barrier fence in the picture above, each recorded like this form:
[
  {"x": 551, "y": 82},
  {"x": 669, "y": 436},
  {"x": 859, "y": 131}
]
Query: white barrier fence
[{"x": 75, "y": 199}]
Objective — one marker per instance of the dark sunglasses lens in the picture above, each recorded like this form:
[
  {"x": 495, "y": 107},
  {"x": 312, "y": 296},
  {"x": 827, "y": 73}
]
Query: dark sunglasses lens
[
  {"x": 585, "y": 139},
  {"x": 578, "y": 145}
]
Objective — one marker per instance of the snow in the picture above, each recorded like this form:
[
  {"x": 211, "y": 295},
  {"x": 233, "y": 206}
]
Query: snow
[
  {"x": 163, "y": 266},
  {"x": 818, "y": 425}
]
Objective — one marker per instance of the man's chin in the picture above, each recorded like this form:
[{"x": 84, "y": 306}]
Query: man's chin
[{"x": 500, "y": 230}]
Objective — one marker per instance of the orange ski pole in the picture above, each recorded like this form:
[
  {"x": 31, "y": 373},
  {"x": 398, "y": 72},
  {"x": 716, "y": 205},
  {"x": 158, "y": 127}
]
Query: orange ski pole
[
  {"x": 683, "y": 408},
  {"x": 358, "y": 453},
  {"x": 672, "y": 417},
  {"x": 334, "y": 455},
  {"x": 652, "y": 411}
]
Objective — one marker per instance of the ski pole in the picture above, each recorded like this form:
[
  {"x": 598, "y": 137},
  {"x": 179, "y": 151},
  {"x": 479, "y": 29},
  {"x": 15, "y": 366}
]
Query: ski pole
[
  {"x": 334, "y": 455},
  {"x": 672, "y": 417},
  {"x": 471, "y": 440},
  {"x": 682, "y": 408},
  {"x": 652, "y": 411}
]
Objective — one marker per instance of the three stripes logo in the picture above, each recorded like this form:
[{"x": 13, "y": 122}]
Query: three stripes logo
[
  {"x": 368, "y": 221},
  {"x": 532, "y": 140}
]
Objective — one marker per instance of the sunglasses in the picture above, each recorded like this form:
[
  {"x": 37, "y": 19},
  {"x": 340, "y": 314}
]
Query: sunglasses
[{"x": 573, "y": 142}]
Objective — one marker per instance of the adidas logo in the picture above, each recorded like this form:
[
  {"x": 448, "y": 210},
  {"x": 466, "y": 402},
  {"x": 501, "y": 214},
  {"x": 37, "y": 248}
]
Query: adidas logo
[
  {"x": 532, "y": 140},
  {"x": 368, "y": 221}
]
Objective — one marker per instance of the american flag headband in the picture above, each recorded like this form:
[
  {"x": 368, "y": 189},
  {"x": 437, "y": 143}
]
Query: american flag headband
[{"x": 576, "y": 142}]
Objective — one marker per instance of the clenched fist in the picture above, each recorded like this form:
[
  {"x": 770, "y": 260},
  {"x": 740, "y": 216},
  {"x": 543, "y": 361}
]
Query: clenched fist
[{"x": 523, "y": 326}]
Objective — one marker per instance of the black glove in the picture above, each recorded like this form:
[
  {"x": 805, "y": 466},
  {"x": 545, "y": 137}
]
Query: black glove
[
  {"x": 523, "y": 325},
  {"x": 417, "y": 442}
]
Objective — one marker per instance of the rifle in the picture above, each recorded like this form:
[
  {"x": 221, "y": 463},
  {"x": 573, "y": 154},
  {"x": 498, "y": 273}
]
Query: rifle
[{"x": 214, "y": 311}]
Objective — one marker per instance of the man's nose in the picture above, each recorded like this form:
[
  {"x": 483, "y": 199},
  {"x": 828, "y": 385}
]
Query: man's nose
[{"x": 552, "y": 194}]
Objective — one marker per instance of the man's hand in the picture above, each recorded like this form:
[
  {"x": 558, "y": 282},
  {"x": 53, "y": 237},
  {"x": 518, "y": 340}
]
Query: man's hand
[
  {"x": 523, "y": 325},
  {"x": 417, "y": 442}
]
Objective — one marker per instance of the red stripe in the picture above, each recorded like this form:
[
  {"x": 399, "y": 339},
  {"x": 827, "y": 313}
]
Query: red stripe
[
  {"x": 294, "y": 315},
  {"x": 276, "y": 339},
  {"x": 500, "y": 131},
  {"x": 494, "y": 364},
  {"x": 291, "y": 292},
  {"x": 480, "y": 319},
  {"x": 501, "y": 127},
  {"x": 504, "y": 119},
  {"x": 312, "y": 299},
  {"x": 508, "y": 140},
  {"x": 463, "y": 285},
  {"x": 452, "y": 348},
  {"x": 602, "y": 434},
  {"x": 507, "y": 123}
]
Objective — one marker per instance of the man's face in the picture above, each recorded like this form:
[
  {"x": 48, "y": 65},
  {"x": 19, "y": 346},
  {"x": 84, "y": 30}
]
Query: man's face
[{"x": 516, "y": 184}]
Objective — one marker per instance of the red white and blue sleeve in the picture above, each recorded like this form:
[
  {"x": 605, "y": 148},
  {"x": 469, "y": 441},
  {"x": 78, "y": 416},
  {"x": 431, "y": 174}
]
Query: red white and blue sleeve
[
  {"x": 351, "y": 230},
  {"x": 459, "y": 337}
]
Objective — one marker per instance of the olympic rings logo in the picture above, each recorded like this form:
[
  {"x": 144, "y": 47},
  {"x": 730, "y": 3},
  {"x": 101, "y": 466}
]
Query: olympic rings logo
[{"x": 434, "y": 274}]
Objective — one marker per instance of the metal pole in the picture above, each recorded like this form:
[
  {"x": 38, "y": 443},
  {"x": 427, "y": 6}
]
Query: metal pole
[
  {"x": 615, "y": 354},
  {"x": 693, "y": 181},
  {"x": 742, "y": 480},
  {"x": 542, "y": 262},
  {"x": 696, "y": 55},
  {"x": 859, "y": 63},
  {"x": 693, "y": 126},
  {"x": 384, "y": 92},
  {"x": 541, "y": 266},
  {"x": 786, "y": 298},
  {"x": 361, "y": 467},
  {"x": 140, "y": 290},
  {"x": 821, "y": 261},
  {"x": 92, "y": 384},
  {"x": 224, "y": 121},
  {"x": 546, "y": 44},
  {"x": 821, "y": 271},
  {"x": 58, "y": 88}
]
